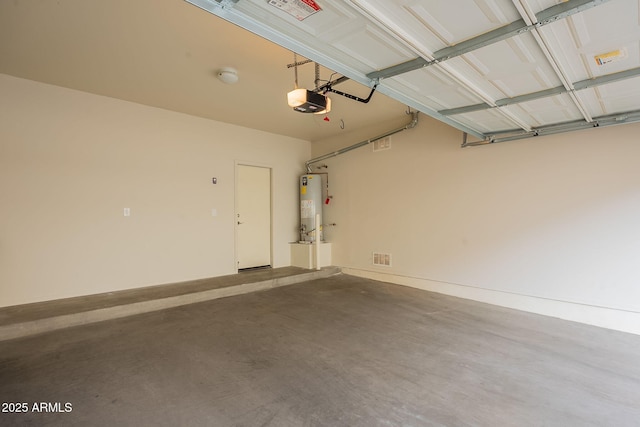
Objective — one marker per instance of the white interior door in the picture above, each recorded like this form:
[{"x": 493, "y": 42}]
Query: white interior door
[{"x": 253, "y": 195}]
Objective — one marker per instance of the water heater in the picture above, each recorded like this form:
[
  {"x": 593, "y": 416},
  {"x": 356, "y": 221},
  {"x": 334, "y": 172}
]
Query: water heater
[{"x": 310, "y": 205}]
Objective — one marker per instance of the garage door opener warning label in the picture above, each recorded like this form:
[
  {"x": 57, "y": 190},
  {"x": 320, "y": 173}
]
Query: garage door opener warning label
[{"x": 300, "y": 9}]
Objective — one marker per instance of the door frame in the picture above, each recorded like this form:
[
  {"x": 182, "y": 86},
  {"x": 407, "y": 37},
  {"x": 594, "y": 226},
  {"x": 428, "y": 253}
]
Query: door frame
[{"x": 238, "y": 163}]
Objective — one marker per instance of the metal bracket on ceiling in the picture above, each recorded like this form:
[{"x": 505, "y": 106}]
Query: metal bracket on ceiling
[
  {"x": 598, "y": 122},
  {"x": 331, "y": 83},
  {"x": 577, "y": 86},
  {"x": 566, "y": 9},
  {"x": 348, "y": 95},
  {"x": 225, "y": 4},
  {"x": 214, "y": 6},
  {"x": 298, "y": 63},
  {"x": 487, "y": 139},
  {"x": 515, "y": 28},
  {"x": 328, "y": 87},
  {"x": 413, "y": 123}
]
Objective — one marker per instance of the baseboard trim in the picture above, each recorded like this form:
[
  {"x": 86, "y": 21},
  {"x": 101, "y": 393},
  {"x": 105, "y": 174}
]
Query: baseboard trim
[{"x": 619, "y": 320}]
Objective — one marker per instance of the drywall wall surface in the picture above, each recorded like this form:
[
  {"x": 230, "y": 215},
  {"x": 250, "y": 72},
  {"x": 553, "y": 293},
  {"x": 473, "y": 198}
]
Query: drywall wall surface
[
  {"x": 551, "y": 217},
  {"x": 70, "y": 162}
]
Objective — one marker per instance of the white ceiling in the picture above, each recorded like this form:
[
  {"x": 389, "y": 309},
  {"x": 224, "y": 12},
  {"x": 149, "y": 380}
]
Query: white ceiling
[
  {"x": 492, "y": 68},
  {"x": 165, "y": 53}
]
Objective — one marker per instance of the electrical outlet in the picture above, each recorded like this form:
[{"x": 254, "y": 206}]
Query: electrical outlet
[{"x": 382, "y": 144}]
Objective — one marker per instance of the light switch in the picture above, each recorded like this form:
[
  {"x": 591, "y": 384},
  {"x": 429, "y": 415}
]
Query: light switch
[
  {"x": 127, "y": 212},
  {"x": 214, "y": 212}
]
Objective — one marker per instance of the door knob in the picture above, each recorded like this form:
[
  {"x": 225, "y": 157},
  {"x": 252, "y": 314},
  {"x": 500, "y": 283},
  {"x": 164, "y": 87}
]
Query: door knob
[{"x": 240, "y": 222}]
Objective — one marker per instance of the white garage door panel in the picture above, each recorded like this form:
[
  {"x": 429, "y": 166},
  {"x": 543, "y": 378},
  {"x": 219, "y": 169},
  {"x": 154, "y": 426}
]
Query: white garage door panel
[
  {"x": 488, "y": 120},
  {"x": 372, "y": 47},
  {"x": 516, "y": 66},
  {"x": 617, "y": 97},
  {"x": 359, "y": 37},
  {"x": 612, "y": 98},
  {"x": 319, "y": 31},
  {"x": 428, "y": 18},
  {"x": 578, "y": 39},
  {"x": 564, "y": 41},
  {"x": 590, "y": 99},
  {"x": 475, "y": 72},
  {"x": 541, "y": 112},
  {"x": 539, "y": 5},
  {"x": 629, "y": 58},
  {"x": 605, "y": 26},
  {"x": 433, "y": 88},
  {"x": 394, "y": 19},
  {"x": 333, "y": 14}
]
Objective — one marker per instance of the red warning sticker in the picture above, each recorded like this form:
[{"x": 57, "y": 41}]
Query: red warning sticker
[
  {"x": 300, "y": 9},
  {"x": 312, "y": 4}
]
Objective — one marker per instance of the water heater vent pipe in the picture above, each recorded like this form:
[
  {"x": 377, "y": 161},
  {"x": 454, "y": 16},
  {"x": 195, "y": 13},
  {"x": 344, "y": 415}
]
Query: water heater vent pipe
[{"x": 410, "y": 125}]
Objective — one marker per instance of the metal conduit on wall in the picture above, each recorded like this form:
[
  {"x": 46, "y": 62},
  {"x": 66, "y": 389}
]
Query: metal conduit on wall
[{"x": 410, "y": 125}]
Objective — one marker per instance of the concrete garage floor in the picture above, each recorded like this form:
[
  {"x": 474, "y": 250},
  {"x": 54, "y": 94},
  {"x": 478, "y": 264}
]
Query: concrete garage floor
[{"x": 339, "y": 351}]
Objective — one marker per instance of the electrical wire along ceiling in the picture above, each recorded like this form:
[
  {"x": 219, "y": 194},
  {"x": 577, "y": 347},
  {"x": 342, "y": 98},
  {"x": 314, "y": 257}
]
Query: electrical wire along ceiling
[{"x": 495, "y": 69}]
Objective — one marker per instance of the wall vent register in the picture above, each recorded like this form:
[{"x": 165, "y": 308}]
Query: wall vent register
[{"x": 382, "y": 259}]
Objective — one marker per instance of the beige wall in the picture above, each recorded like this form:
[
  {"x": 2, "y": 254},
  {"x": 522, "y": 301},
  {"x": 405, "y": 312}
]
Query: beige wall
[
  {"x": 71, "y": 161},
  {"x": 549, "y": 224}
]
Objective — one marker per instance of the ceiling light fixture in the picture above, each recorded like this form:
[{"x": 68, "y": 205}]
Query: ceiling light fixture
[
  {"x": 306, "y": 101},
  {"x": 228, "y": 75}
]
